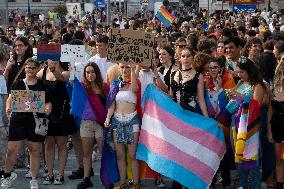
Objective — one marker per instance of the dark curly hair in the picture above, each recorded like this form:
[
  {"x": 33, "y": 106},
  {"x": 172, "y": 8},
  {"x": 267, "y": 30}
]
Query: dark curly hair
[{"x": 200, "y": 61}]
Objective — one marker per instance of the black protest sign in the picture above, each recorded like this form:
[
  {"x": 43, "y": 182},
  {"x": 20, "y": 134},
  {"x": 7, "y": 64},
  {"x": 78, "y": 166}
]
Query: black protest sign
[{"x": 130, "y": 44}]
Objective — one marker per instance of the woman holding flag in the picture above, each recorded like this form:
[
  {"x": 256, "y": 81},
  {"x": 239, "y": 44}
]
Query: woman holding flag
[
  {"x": 245, "y": 103},
  {"x": 91, "y": 93},
  {"x": 122, "y": 118},
  {"x": 187, "y": 89}
]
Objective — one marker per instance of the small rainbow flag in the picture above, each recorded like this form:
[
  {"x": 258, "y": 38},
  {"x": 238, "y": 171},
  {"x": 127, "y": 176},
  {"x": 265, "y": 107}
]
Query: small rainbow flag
[
  {"x": 165, "y": 16},
  {"x": 150, "y": 27}
]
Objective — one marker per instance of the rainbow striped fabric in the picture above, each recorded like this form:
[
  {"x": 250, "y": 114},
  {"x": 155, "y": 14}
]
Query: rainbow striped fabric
[
  {"x": 150, "y": 27},
  {"x": 165, "y": 16},
  {"x": 179, "y": 144}
]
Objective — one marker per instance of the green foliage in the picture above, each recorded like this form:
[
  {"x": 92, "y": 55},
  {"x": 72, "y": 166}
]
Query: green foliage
[
  {"x": 166, "y": 3},
  {"x": 60, "y": 9}
]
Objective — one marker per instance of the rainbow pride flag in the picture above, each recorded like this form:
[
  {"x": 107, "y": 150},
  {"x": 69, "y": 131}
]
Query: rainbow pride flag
[
  {"x": 179, "y": 144},
  {"x": 165, "y": 16},
  {"x": 150, "y": 27}
]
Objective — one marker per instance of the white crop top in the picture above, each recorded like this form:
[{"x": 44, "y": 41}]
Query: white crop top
[{"x": 126, "y": 96}]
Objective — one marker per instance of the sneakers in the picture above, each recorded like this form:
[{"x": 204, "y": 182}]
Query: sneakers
[
  {"x": 78, "y": 174},
  {"x": 6, "y": 182},
  {"x": 160, "y": 183},
  {"x": 28, "y": 173},
  {"x": 34, "y": 184},
  {"x": 2, "y": 173},
  {"x": 48, "y": 180},
  {"x": 59, "y": 180},
  {"x": 85, "y": 183}
]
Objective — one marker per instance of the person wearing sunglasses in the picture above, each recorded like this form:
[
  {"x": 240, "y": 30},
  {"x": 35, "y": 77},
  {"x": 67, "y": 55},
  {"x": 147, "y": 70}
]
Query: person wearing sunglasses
[
  {"x": 180, "y": 45},
  {"x": 14, "y": 68},
  {"x": 22, "y": 127},
  {"x": 10, "y": 32}
]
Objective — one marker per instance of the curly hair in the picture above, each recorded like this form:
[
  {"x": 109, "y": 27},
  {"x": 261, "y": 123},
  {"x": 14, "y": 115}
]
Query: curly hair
[
  {"x": 206, "y": 44},
  {"x": 199, "y": 62},
  {"x": 278, "y": 80},
  {"x": 250, "y": 42}
]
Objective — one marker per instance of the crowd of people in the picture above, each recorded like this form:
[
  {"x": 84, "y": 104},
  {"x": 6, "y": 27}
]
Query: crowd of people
[{"x": 229, "y": 68}]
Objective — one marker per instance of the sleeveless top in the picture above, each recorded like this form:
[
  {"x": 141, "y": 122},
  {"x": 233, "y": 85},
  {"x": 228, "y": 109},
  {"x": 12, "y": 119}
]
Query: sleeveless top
[
  {"x": 167, "y": 76},
  {"x": 59, "y": 98},
  {"x": 188, "y": 91}
]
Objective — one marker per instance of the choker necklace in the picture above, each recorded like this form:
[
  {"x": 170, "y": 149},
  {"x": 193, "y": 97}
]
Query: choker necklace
[{"x": 186, "y": 70}]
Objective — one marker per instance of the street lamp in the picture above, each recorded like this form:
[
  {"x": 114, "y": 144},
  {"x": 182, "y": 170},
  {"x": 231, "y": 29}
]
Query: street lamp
[{"x": 29, "y": 8}]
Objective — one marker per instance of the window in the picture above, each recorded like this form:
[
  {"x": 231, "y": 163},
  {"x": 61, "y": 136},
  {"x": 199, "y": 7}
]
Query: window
[
  {"x": 11, "y": 0},
  {"x": 36, "y": 0}
]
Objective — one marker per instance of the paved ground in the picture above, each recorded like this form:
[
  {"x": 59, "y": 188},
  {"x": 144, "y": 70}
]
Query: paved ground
[{"x": 22, "y": 183}]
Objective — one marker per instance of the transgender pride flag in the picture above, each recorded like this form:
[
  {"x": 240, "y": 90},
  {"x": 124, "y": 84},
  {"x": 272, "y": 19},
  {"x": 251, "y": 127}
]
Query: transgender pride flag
[{"x": 179, "y": 144}]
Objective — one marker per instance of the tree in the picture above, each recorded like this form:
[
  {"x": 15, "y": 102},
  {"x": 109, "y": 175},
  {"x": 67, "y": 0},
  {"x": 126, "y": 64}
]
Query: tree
[
  {"x": 61, "y": 10},
  {"x": 166, "y": 3}
]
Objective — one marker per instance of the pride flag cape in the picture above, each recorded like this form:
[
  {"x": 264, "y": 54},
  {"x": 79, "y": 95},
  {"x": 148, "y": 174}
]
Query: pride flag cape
[
  {"x": 165, "y": 16},
  {"x": 82, "y": 104},
  {"x": 179, "y": 144}
]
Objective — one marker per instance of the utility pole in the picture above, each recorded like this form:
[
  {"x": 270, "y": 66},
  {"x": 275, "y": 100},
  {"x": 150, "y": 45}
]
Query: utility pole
[
  {"x": 108, "y": 12},
  {"x": 6, "y": 16},
  {"x": 119, "y": 6},
  {"x": 29, "y": 8},
  {"x": 222, "y": 7},
  {"x": 208, "y": 11}
]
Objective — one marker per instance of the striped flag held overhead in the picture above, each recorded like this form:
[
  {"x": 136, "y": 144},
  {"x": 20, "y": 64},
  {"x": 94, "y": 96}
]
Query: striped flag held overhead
[
  {"x": 165, "y": 16},
  {"x": 179, "y": 144}
]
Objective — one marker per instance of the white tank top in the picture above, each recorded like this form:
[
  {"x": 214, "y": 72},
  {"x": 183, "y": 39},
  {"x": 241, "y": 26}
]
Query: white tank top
[{"x": 126, "y": 96}]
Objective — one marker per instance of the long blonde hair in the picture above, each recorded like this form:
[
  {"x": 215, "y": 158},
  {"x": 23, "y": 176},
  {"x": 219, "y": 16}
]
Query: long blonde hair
[{"x": 278, "y": 80}]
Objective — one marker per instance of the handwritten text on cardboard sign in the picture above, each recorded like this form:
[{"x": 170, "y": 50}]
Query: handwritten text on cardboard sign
[{"x": 131, "y": 44}]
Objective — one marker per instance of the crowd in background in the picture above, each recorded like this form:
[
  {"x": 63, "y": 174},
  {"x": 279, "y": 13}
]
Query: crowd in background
[{"x": 217, "y": 66}]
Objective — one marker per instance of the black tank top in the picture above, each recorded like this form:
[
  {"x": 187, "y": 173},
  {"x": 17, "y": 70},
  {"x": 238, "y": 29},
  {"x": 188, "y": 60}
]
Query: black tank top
[{"x": 188, "y": 91}]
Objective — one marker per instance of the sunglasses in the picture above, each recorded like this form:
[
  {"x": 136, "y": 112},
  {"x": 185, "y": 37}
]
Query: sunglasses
[
  {"x": 125, "y": 67},
  {"x": 19, "y": 45},
  {"x": 30, "y": 68},
  {"x": 181, "y": 46}
]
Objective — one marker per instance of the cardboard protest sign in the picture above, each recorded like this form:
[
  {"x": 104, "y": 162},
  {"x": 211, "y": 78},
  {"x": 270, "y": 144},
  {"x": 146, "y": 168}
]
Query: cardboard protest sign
[
  {"x": 27, "y": 101},
  {"x": 48, "y": 51},
  {"x": 72, "y": 53},
  {"x": 130, "y": 44}
]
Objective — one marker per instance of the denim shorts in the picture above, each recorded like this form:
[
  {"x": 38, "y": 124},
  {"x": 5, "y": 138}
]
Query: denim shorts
[{"x": 124, "y": 126}]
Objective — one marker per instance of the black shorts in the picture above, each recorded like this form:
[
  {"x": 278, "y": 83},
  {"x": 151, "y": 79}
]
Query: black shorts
[
  {"x": 277, "y": 121},
  {"x": 24, "y": 131}
]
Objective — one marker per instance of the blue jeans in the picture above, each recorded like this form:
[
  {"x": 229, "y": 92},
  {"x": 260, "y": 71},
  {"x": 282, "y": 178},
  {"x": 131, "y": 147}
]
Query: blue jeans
[{"x": 254, "y": 174}]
